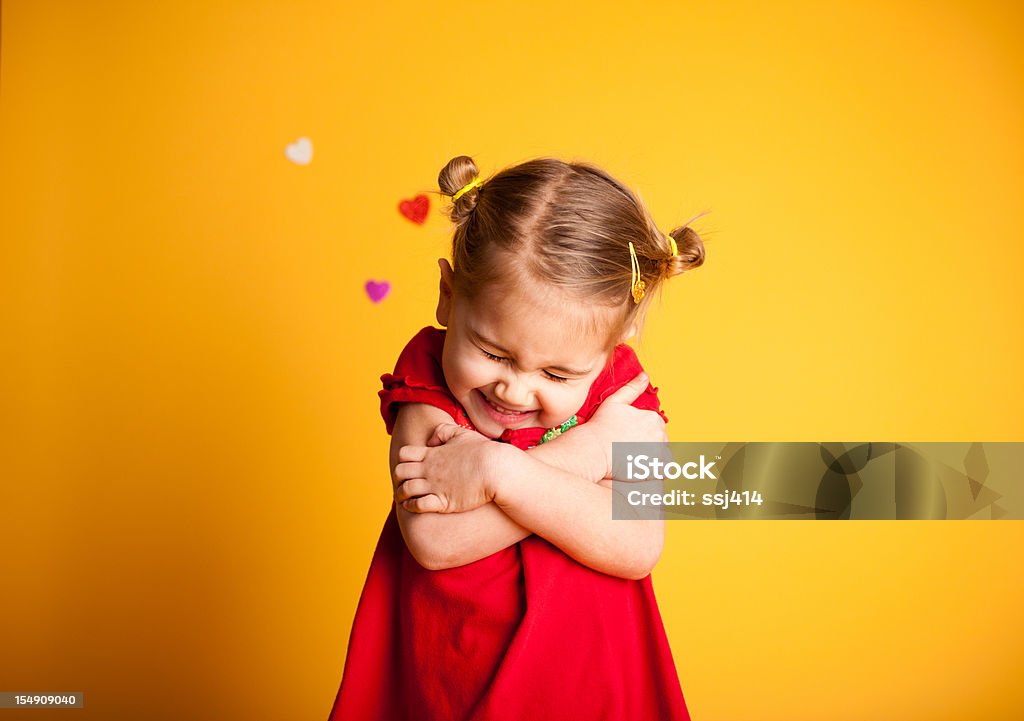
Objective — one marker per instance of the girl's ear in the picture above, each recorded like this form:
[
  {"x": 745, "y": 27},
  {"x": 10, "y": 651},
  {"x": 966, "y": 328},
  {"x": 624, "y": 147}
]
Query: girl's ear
[
  {"x": 629, "y": 333},
  {"x": 445, "y": 290}
]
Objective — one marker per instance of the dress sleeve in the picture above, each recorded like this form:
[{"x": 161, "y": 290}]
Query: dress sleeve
[
  {"x": 624, "y": 367},
  {"x": 418, "y": 378}
]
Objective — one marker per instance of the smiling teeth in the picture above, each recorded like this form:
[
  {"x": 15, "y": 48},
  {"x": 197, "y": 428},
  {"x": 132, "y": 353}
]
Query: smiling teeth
[{"x": 502, "y": 409}]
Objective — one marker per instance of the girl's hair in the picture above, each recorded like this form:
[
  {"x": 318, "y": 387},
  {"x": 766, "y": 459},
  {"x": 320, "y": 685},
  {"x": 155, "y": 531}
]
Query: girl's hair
[{"x": 564, "y": 224}]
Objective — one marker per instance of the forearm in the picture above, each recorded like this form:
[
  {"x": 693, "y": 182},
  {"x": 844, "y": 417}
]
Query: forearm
[
  {"x": 577, "y": 451},
  {"x": 445, "y": 540},
  {"x": 576, "y": 515}
]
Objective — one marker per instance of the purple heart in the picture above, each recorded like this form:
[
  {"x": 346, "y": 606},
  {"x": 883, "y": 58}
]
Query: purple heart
[{"x": 377, "y": 291}]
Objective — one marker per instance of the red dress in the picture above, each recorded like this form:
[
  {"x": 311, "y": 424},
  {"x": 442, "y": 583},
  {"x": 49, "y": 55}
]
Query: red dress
[{"x": 526, "y": 634}]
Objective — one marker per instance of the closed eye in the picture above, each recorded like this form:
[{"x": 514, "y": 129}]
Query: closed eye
[
  {"x": 494, "y": 357},
  {"x": 500, "y": 359}
]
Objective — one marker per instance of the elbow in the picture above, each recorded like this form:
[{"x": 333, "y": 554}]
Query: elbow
[
  {"x": 645, "y": 559},
  {"x": 639, "y": 571},
  {"x": 428, "y": 555},
  {"x": 428, "y": 562},
  {"x": 431, "y": 560},
  {"x": 425, "y": 547}
]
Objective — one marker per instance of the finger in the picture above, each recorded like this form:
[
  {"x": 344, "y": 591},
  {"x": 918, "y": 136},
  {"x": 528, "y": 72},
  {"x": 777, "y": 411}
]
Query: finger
[
  {"x": 405, "y": 471},
  {"x": 632, "y": 390},
  {"x": 412, "y": 453},
  {"x": 656, "y": 424},
  {"x": 444, "y": 433},
  {"x": 410, "y": 489},
  {"x": 423, "y": 504}
]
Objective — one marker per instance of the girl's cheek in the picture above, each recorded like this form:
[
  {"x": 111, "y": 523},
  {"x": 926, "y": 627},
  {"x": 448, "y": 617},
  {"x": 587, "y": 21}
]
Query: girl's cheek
[{"x": 471, "y": 374}]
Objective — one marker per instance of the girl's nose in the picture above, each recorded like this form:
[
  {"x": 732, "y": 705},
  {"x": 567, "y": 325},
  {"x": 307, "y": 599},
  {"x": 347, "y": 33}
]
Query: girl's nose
[{"x": 513, "y": 392}]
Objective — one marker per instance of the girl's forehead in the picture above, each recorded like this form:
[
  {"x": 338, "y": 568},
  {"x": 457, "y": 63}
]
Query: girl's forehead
[
  {"x": 540, "y": 331},
  {"x": 526, "y": 296}
]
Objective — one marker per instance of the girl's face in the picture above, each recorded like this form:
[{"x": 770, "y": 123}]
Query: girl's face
[{"x": 513, "y": 361}]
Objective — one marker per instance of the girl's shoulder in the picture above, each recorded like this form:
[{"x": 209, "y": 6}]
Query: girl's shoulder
[
  {"x": 418, "y": 378},
  {"x": 622, "y": 367},
  {"x": 421, "y": 356},
  {"x": 428, "y": 340}
]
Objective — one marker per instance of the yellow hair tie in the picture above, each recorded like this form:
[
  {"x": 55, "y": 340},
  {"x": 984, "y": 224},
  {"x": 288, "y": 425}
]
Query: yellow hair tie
[
  {"x": 636, "y": 285},
  {"x": 675, "y": 250},
  {"x": 466, "y": 188}
]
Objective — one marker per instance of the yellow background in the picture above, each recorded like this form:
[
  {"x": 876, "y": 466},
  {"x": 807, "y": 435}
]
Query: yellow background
[{"x": 193, "y": 464}]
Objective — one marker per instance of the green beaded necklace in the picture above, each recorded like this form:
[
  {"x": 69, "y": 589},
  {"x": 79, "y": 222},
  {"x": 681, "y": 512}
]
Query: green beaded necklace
[{"x": 558, "y": 430}]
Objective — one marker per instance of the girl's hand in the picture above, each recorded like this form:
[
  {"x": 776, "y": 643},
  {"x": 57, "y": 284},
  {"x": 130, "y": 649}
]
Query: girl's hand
[
  {"x": 454, "y": 472},
  {"x": 618, "y": 421}
]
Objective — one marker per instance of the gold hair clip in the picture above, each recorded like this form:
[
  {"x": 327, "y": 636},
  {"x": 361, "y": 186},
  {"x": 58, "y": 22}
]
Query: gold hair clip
[
  {"x": 672, "y": 241},
  {"x": 636, "y": 285},
  {"x": 467, "y": 187}
]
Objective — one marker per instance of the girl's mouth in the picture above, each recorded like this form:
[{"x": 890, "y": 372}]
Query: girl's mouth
[{"x": 500, "y": 414}]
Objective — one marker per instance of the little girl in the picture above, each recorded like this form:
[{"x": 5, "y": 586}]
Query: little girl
[{"x": 501, "y": 588}]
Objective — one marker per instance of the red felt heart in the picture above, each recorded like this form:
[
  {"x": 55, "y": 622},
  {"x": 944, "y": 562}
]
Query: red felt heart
[{"x": 416, "y": 209}]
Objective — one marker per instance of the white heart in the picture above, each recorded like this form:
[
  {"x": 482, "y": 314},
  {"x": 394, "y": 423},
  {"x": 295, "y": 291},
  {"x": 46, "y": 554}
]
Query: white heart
[{"x": 300, "y": 152}]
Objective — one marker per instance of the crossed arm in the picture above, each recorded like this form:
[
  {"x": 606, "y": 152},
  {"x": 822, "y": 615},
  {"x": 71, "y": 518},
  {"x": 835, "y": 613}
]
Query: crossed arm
[{"x": 559, "y": 490}]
